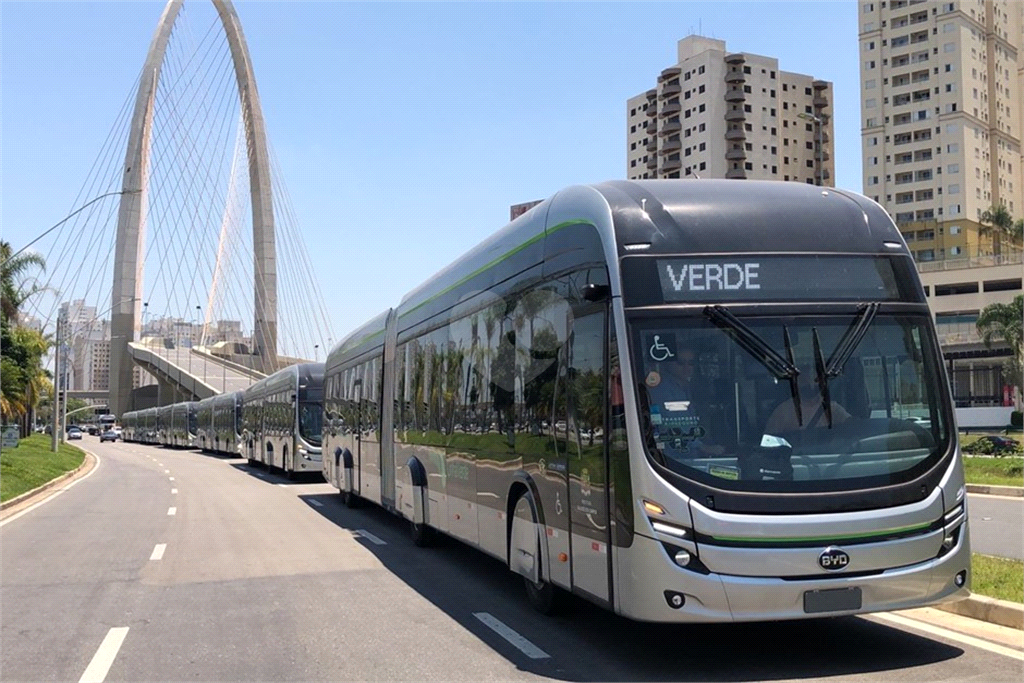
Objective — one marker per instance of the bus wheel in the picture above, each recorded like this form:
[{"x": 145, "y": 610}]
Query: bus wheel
[
  {"x": 544, "y": 597},
  {"x": 350, "y": 499},
  {"x": 422, "y": 535}
]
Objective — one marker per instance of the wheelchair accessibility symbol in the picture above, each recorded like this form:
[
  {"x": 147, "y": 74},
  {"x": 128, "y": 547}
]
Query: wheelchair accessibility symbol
[{"x": 659, "y": 352}]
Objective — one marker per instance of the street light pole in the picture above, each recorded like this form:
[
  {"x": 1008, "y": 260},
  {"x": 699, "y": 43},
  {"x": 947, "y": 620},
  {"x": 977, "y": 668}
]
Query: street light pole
[
  {"x": 56, "y": 384},
  {"x": 198, "y": 317}
]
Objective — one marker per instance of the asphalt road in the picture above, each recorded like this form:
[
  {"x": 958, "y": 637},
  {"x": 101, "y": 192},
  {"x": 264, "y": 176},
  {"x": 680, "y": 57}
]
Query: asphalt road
[
  {"x": 997, "y": 525},
  {"x": 261, "y": 579}
]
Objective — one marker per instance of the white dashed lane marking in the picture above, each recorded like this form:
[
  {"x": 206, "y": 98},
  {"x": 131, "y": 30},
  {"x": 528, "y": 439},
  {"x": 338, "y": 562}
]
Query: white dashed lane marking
[
  {"x": 316, "y": 503},
  {"x": 363, "y": 533},
  {"x": 158, "y": 551},
  {"x": 172, "y": 511},
  {"x": 174, "y": 490},
  {"x": 520, "y": 643},
  {"x": 104, "y": 657}
]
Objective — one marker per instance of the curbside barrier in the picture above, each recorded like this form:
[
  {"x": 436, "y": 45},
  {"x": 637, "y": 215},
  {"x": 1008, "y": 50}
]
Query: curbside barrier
[
  {"x": 1009, "y": 491},
  {"x": 1001, "y": 612}
]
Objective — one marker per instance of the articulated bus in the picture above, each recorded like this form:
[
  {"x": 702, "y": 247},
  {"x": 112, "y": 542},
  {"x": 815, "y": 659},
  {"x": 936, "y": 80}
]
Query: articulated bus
[
  {"x": 178, "y": 424},
  {"x": 282, "y": 417},
  {"x": 527, "y": 400},
  {"x": 140, "y": 426},
  {"x": 219, "y": 423}
]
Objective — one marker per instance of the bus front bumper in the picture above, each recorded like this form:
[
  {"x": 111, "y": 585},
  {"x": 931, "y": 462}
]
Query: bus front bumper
[{"x": 658, "y": 590}]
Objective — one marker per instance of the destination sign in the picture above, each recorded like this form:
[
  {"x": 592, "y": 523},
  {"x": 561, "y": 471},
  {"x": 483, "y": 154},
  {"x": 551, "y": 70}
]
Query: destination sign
[{"x": 776, "y": 278}]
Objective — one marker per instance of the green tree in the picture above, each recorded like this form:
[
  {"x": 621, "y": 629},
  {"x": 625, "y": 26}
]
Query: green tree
[
  {"x": 22, "y": 377},
  {"x": 997, "y": 222},
  {"x": 1006, "y": 322}
]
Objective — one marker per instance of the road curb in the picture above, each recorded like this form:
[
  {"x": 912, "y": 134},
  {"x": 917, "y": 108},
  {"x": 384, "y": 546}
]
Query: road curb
[
  {"x": 1008, "y": 491},
  {"x": 88, "y": 462},
  {"x": 1001, "y": 612}
]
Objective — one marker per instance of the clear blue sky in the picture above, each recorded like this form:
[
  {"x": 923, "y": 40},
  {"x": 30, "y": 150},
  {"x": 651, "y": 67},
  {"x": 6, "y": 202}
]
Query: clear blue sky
[{"x": 404, "y": 131}]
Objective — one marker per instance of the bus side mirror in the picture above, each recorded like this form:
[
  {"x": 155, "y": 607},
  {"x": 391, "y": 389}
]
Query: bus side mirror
[{"x": 594, "y": 292}]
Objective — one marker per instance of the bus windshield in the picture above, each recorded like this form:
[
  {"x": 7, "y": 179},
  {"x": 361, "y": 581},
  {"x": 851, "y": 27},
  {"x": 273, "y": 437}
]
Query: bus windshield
[
  {"x": 311, "y": 422},
  {"x": 791, "y": 402}
]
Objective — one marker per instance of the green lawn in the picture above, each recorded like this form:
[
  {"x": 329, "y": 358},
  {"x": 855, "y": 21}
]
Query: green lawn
[
  {"x": 33, "y": 464},
  {"x": 994, "y": 471},
  {"x": 997, "y": 578}
]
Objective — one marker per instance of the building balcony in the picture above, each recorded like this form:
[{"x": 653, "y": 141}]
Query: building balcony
[
  {"x": 735, "y": 134},
  {"x": 820, "y": 101},
  {"x": 735, "y": 174},
  {"x": 670, "y": 109},
  {"x": 735, "y": 95},
  {"x": 735, "y": 115},
  {"x": 669, "y": 91},
  {"x": 669, "y": 165},
  {"x": 736, "y": 154},
  {"x": 671, "y": 145},
  {"x": 735, "y": 58},
  {"x": 652, "y": 144},
  {"x": 669, "y": 127},
  {"x": 652, "y": 94},
  {"x": 670, "y": 72},
  {"x": 652, "y": 127},
  {"x": 820, "y": 85},
  {"x": 652, "y": 161},
  {"x": 652, "y": 110},
  {"x": 735, "y": 76}
]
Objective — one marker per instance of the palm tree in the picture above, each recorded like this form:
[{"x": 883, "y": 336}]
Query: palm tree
[
  {"x": 997, "y": 222},
  {"x": 12, "y": 291},
  {"x": 1006, "y": 322}
]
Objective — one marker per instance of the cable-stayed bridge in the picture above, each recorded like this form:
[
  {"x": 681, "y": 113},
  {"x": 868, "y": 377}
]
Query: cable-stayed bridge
[{"x": 181, "y": 272}]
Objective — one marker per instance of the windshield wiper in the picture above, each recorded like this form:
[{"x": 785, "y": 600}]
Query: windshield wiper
[
  {"x": 756, "y": 346},
  {"x": 822, "y": 377},
  {"x": 851, "y": 338},
  {"x": 752, "y": 342}
]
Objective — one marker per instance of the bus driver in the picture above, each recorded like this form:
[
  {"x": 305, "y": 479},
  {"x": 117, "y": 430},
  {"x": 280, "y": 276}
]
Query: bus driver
[{"x": 675, "y": 403}]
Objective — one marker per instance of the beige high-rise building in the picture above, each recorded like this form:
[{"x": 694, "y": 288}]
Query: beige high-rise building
[
  {"x": 942, "y": 103},
  {"x": 941, "y": 106},
  {"x": 719, "y": 114}
]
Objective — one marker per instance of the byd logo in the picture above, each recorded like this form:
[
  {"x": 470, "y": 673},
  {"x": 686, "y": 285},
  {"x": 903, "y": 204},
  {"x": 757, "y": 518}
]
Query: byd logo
[{"x": 833, "y": 559}]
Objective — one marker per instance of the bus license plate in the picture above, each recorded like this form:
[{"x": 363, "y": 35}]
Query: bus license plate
[{"x": 832, "y": 600}]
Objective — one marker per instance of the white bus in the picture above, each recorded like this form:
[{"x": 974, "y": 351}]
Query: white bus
[
  {"x": 281, "y": 419},
  {"x": 516, "y": 401}
]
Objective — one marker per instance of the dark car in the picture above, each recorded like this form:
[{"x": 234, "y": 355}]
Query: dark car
[
  {"x": 109, "y": 435},
  {"x": 1000, "y": 444}
]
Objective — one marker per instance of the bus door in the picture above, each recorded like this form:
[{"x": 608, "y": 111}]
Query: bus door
[
  {"x": 586, "y": 391},
  {"x": 386, "y": 417},
  {"x": 369, "y": 430}
]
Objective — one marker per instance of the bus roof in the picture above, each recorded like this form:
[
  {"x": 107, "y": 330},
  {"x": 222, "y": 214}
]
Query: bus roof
[{"x": 730, "y": 216}]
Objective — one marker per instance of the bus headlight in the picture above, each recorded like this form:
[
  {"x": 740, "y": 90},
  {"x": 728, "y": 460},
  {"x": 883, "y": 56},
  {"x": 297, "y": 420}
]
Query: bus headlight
[{"x": 672, "y": 529}]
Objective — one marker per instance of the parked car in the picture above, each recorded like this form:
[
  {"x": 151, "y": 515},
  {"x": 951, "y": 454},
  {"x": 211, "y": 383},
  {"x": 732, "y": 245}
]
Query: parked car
[
  {"x": 109, "y": 435},
  {"x": 74, "y": 433}
]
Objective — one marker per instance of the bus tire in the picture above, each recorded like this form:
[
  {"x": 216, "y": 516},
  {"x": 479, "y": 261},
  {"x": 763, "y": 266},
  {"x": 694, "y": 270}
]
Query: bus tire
[
  {"x": 422, "y": 535},
  {"x": 350, "y": 499},
  {"x": 543, "y": 596}
]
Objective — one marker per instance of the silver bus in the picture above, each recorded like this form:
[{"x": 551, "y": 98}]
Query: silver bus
[
  {"x": 219, "y": 421},
  {"x": 532, "y": 400},
  {"x": 281, "y": 419}
]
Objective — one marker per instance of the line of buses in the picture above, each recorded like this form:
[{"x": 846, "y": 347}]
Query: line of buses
[{"x": 531, "y": 400}]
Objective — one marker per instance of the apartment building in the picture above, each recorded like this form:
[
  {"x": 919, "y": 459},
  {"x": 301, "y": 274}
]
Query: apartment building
[
  {"x": 720, "y": 114},
  {"x": 942, "y": 102}
]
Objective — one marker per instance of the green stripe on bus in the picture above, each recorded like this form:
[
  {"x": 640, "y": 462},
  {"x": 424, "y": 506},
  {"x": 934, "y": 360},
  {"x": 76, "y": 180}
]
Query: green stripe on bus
[{"x": 833, "y": 537}]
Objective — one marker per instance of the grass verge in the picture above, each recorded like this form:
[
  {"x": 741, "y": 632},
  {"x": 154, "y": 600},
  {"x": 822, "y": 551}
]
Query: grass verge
[
  {"x": 994, "y": 471},
  {"x": 33, "y": 464},
  {"x": 998, "y": 578}
]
